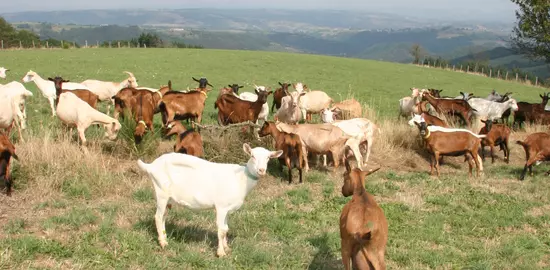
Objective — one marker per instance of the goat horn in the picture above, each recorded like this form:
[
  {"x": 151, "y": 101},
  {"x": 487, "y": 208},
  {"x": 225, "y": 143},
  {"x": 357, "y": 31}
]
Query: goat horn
[{"x": 129, "y": 73}]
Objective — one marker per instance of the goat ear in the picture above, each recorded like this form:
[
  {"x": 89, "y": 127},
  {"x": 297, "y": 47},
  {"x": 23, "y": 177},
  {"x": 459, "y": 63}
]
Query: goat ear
[
  {"x": 539, "y": 94},
  {"x": 280, "y": 84},
  {"x": 230, "y": 86},
  {"x": 348, "y": 166},
  {"x": 483, "y": 121},
  {"x": 241, "y": 86},
  {"x": 276, "y": 154},
  {"x": 269, "y": 93},
  {"x": 302, "y": 94},
  {"x": 256, "y": 91},
  {"x": 65, "y": 80},
  {"x": 247, "y": 149},
  {"x": 52, "y": 81},
  {"x": 195, "y": 79},
  {"x": 369, "y": 172}
]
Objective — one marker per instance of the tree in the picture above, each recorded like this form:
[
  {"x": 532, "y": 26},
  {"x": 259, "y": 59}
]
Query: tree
[
  {"x": 416, "y": 52},
  {"x": 150, "y": 40},
  {"x": 531, "y": 35}
]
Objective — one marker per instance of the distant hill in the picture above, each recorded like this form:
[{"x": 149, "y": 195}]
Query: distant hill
[{"x": 502, "y": 56}]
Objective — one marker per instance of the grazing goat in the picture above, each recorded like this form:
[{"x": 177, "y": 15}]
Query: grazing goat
[
  {"x": 537, "y": 149},
  {"x": 290, "y": 144},
  {"x": 12, "y": 107},
  {"x": 429, "y": 119},
  {"x": 451, "y": 106},
  {"x": 48, "y": 88},
  {"x": 347, "y": 109},
  {"x": 278, "y": 95},
  {"x": 451, "y": 142},
  {"x": 3, "y": 71},
  {"x": 529, "y": 112},
  {"x": 264, "y": 113},
  {"x": 313, "y": 101},
  {"x": 361, "y": 131},
  {"x": 188, "y": 141},
  {"x": 106, "y": 90},
  {"x": 363, "y": 225},
  {"x": 73, "y": 111},
  {"x": 143, "y": 112},
  {"x": 177, "y": 105},
  {"x": 496, "y": 134},
  {"x": 7, "y": 152},
  {"x": 491, "y": 110},
  {"x": 290, "y": 112},
  {"x": 84, "y": 94},
  {"x": 200, "y": 184},
  {"x": 233, "y": 110},
  {"x": 407, "y": 105},
  {"x": 319, "y": 139},
  {"x": 126, "y": 98}
]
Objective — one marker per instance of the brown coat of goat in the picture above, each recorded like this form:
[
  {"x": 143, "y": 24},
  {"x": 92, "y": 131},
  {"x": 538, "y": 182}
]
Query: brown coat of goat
[
  {"x": 188, "y": 141},
  {"x": 232, "y": 109},
  {"x": 83, "y": 94},
  {"x": 293, "y": 156},
  {"x": 347, "y": 109},
  {"x": 279, "y": 94},
  {"x": 124, "y": 98},
  {"x": 7, "y": 151},
  {"x": 181, "y": 106},
  {"x": 363, "y": 225},
  {"x": 143, "y": 111},
  {"x": 496, "y": 134},
  {"x": 537, "y": 149},
  {"x": 458, "y": 107}
]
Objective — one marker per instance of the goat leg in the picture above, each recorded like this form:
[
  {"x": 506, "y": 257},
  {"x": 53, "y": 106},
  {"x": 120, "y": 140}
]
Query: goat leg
[
  {"x": 346, "y": 254},
  {"x": 289, "y": 165},
  {"x": 437, "y": 163},
  {"x": 492, "y": 146}
]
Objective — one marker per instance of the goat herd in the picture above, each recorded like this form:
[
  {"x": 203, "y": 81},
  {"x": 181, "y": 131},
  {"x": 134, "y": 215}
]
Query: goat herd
[{"x": 185, "y": 178}]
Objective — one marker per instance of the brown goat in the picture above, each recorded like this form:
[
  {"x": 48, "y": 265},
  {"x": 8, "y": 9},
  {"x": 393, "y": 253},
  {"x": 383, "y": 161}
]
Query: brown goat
[
  {"x": 363, "y": 225},
  {"x": 529, "y": 112},
  {"x": 537, "y": 149},
  {"x": 496, "y": 134},
  {"x": 279, "y": 94},
  {"x": 291, "y": 145},
  {"x": 143, "y": 111},
  {"x": 124, "y": 98},
  {"x": 232, "y": 109},
  {"x": 177, "y": 105},
  {"x": 347, "y": 109},
  {"x": 458, "y": 107},
  {"x": 451, "y": 142},
  {"x": 188, "y": 141},
  {"x": 7, "y": 151},
  {"x": 83, "y": 94}
]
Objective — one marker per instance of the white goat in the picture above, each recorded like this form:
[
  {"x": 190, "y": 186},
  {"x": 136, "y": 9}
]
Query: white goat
[
  {"x": 407, "y": 105},
  {"x": 290, "y": 112},
  {"x": 200, "y": 184},
  {"x": 12, "y": 106},
  {"x": 3, "y": 71},
  {"x": 74, "y": 111},
  {"x": 48, "y": 88},
  {"x": 490, "y": 109},
  {"x": 361, "y": 131},
  {"x": 313, "y": 101},
  {"x": 264, "y": 113},
  {"x": 106, "y": 90}
]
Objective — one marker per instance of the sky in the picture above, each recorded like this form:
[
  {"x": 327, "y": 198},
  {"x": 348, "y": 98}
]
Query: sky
[{"x": 493, "y": 9}]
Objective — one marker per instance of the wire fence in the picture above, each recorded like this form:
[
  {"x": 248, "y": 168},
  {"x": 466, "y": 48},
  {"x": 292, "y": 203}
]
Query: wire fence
[{"x": 69, "y": 45}]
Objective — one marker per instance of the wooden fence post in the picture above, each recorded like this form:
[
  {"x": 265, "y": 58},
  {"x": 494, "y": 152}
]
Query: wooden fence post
[
  {"x": 525, "y": 77},
  {"x": 2, "y": 44},
  {"x": 536, "y": 81},
  {"x": 128, "y": 44},
  {"x": 62, "y": 44},
  {"x": 506, "y": 75},
  {"x": 468, "y": 69},
  {"x": 86, "y": 43},
  {"x": 33, "y": 45},
  {"x": 144, "y": 45},
  {"x": 97, "y": 43},
  {"x": 20, "y": 45},
  {"x": 74, "y": 44},
  {"x": 490, "y": 73},
  {"x": 482, "y": 70},
  {"x": 460, "y": 67},
  {"x": 516, "y": 77},
  {"x": 119, "y": 44},
  {"x": 47, "y": 44},
  {"x": 454, "y": 68}
]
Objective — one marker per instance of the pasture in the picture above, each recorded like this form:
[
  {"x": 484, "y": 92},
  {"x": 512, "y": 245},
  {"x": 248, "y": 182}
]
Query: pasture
[{"x": 70, "y": 210}]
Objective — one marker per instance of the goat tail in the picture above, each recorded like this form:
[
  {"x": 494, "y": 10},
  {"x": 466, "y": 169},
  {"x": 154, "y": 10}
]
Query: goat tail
[
  {"x": 522, "y": 144},
  {"x": 143, "y": 166}
]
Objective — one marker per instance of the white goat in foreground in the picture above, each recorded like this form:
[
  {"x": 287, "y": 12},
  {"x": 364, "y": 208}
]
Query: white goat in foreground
[
  {"x": 74, "y": 111},
  {"x": 12, "y": 106},
  {"x": 491, "y": 109},
  {"x": 200, "y": 184},
  {"x": 48, "y": 88},
  {"x": 106, "y": 90},
  {"x": 3, "y": 71},
  {"x": 264, "y": 113}
]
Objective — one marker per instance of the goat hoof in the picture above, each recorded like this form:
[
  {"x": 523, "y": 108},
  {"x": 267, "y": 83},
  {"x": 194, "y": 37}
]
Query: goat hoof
[
  {"x": 221, "y": 252},
  {"x": 163, "y": 243}
]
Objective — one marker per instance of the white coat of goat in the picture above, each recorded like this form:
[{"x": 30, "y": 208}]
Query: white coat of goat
[
  {"x": 106, "y": 90},
  {"x": 290, "y": 112},
  {"x": 201, "y": 184},
  {"x": 3, "y": 71},
  {"x": 74, "y": 111},
  {"x": 361, "y": 131},
  {"x": 48, "y": 88},
  {"x": 490, "y": 109},
  {"x": 313, "y": 101},
  {"x": 12, "y": 106}
]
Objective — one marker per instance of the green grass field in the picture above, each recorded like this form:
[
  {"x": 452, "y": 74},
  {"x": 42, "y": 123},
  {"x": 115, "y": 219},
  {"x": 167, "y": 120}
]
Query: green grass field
[{"x": 75, "y": 211}]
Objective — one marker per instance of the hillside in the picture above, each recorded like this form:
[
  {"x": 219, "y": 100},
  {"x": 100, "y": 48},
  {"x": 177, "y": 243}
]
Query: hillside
[{"x": 72, "y": 209}]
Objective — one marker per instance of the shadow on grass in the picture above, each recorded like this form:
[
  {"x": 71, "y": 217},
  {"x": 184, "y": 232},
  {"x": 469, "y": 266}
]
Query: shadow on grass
[
  {"x": 182, "y": 234},
  {"x": 323, "y": 259}
]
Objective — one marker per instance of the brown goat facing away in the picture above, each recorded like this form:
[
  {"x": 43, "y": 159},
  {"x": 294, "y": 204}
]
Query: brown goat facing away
[
  {"x": 496, "y": 134},
  {"x": 188, "y": 141},
  {"x": 143, "y": 112},
  {"x": 124, "y": 98},
  {"x": 363, "y": 225},
  {"x": 529, "y": 112},
  {"x": 292, "y": 156},
  {"x": 451, "y": 142},
  {"x": 7, "y": 152},
  {"x": 177, "y": 105},
  {"x": 83, "y": 94},
  {"x": 537, "y": 149},
  {"x": 279, "y": 94},
  {"x": 453, "y": 107},
  {"x": 232, "y": 109}
]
